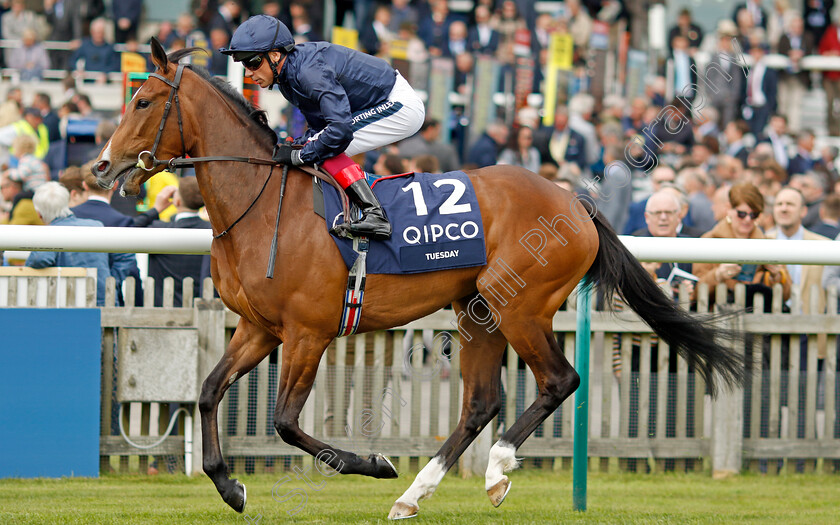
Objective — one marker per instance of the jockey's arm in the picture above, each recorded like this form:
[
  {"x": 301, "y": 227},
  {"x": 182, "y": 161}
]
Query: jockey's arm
[
  {"x": 334, "y": 106},
  {"x": 303, "y": 139}
]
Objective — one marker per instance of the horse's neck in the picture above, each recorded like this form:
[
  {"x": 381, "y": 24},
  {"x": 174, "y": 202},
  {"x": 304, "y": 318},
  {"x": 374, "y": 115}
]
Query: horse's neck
[{"x": 228, "y": 187}]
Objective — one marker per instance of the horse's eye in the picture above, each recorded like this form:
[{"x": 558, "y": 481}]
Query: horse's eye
[{"x": 143, "y": 103}]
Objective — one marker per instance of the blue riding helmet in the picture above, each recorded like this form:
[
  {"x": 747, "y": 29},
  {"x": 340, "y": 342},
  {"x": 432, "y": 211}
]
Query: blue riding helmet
[{"x": 260, "y": 34}]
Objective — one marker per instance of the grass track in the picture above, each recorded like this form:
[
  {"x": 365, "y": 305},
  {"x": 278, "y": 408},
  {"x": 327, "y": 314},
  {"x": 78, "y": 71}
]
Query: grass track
[{"x": 536, "y": 497}]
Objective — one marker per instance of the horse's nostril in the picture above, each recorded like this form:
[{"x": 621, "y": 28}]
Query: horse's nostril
[{"x": 102, "y": 166}]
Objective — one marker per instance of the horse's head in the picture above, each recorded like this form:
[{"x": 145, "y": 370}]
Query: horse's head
[{"x": 147, "y": 130}]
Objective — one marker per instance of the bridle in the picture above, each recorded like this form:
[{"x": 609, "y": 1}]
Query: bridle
[
  {"x": 182, "y": 161},
  {"x": 173, "y": 94}
]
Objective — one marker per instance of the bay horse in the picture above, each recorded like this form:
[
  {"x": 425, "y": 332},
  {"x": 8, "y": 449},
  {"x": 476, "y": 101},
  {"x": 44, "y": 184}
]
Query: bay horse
[{"x": 302, "y": 305}]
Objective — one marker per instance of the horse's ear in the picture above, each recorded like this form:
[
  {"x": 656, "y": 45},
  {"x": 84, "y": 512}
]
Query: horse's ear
[{"x": 159, "y": 55}]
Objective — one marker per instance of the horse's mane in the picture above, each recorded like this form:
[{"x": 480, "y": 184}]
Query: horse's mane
[{"x": 257, "y": 116}]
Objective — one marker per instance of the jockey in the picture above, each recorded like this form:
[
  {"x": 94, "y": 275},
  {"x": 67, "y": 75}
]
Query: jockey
[{"x": 353, "y": 103}]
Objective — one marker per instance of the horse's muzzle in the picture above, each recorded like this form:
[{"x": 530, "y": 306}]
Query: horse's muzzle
[
  {"x": 101, "y": 167},
  {"x": 100, "y": 171}
]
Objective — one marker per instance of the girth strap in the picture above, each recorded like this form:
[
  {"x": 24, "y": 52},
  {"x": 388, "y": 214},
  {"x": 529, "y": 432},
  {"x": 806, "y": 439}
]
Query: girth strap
[{"x": 351, "y": 314}]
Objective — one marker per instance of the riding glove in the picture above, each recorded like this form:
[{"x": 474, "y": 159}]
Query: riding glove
[{"x": 286, "y": 154}]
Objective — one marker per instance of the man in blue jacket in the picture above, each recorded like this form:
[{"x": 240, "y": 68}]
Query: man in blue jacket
[
  {"x": 353, "y": 103},
  {"x": 98, "y": 207},
  {"x": 98, "y": 54},
  {"x": 52, "y": 201},
  {"x": 486, "y": 149}
]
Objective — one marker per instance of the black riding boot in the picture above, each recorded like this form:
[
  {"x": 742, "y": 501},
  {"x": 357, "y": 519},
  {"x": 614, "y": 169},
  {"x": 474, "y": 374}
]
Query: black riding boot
[{"x": 374, "y": 223}]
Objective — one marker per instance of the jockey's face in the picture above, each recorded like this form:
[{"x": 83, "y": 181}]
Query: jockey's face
[{"x": 263, "y": 75}]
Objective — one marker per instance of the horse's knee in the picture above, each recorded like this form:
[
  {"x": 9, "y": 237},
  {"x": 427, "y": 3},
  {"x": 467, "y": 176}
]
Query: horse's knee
[
  {"x": 570, "y": 383},
  {"x": 481, "y": 411},
  {"x": 213, "y": 388},
  {"x": 287, "y": 428},
  {"x": 559, "y": 388},
  {"x": 207, "y": 401}
]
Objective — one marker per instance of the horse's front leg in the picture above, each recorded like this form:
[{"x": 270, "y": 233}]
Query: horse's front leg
[
  {"x": 301, "y": 355},
  {"x": 248, "y": 346}
]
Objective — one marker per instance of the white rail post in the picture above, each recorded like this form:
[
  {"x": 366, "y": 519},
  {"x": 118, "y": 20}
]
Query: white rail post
[{"x": 727, "y": 441}]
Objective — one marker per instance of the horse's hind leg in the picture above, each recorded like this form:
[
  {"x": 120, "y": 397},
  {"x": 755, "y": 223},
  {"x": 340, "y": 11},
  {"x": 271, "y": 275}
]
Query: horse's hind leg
[
  {"x": 481, "y": 365},
  {"x": 301, "y": 354},
  {"x": 556, "y": 380},
  {"x": 248, "y": 346}
]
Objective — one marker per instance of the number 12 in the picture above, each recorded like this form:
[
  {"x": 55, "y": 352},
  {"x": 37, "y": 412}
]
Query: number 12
[{"x": 450, "y": 206}]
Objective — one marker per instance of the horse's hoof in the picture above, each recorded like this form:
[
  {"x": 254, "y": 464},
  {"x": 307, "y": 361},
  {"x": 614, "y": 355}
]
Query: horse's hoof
[
  {"x": 499, "y": 491},
  {"x": 401, "y": 511},
  {"x": 383, "y": 467},
  {"x": 236, "y": 496}
]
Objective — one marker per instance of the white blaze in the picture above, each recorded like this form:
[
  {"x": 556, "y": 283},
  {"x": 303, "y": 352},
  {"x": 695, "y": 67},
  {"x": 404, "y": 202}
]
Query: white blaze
[
  {"x": 106, "y": 155},
  {"x": 135, "y": 94}
]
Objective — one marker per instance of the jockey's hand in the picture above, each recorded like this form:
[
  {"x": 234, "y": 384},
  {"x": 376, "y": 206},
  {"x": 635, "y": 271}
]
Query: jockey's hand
[{"x": 286, "y": 154}]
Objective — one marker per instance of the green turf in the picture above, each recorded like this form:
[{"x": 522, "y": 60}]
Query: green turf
[{"x": 536, "y": 497}]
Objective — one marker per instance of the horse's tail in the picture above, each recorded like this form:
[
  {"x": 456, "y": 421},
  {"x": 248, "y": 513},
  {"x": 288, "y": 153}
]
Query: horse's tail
[{"x": 697, "y": 338}]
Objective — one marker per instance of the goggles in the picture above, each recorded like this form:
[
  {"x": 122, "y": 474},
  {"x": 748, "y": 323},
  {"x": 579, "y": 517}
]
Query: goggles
[{"x": 252, "y": 62}]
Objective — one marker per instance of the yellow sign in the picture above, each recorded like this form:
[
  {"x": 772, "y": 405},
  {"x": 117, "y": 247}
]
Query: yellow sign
[
  {"x": 200, "y": 59},
  {"x": 562, "y": 48},
  {"x": 559, "y": 59},
  {"x": 345, "y": 37},
  {"x": 399, "y": 49},
  {"x": 132, "y": 63}
]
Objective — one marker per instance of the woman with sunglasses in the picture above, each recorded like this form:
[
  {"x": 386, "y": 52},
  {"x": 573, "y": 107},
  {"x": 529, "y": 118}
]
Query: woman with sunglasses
[
  {"x": 521, "y": 151},
  {"x": 746, "y": 204},
  {"x": 353, "y": 103}
]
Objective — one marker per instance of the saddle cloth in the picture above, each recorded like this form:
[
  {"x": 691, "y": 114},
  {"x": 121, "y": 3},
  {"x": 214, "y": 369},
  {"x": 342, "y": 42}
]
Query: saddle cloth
[{"x": 436, "y": 224}]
